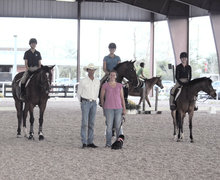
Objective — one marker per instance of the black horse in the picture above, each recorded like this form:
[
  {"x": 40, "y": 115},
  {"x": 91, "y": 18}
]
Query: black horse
[
  {"x": 186, "y": 101},
  {"x": 37, "y": 91}
]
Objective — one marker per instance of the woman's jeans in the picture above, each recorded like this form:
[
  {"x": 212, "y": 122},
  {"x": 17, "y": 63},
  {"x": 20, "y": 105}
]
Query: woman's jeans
[
  {"x": 88, "y": 121},
  {"x": 113, "y": 116}
]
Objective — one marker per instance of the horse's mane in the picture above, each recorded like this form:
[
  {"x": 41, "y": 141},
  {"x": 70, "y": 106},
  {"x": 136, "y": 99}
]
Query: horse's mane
[
  {"x": 198, "y": 80},
  {"x": 119, "y": 65}
]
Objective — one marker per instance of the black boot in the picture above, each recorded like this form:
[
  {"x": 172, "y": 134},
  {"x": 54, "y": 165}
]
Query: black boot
[{"x": 22, "y": 96}]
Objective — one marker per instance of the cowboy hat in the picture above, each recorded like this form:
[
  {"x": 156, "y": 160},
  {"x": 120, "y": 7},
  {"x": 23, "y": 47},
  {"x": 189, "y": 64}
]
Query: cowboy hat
[{"x": 90, "y": 66}]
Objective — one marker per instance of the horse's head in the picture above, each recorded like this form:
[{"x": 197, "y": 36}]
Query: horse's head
[
  {"x": 45, "y": 78},
  {"x": 159, "y": 82},
  {"x": 126, "y": 69},
  {"x": 208, "y": 88}
]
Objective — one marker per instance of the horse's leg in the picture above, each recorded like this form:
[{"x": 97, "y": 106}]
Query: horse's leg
[
  {"x": 148, "y": 101},
  {"x": 190, "y": 126},
  {"x": 24, "y": 121},
  {"x": 31, "y": 112},
  {"x": 173, "y": 114},
  {"x": 140, "y": 101},
  {"x": 179, "y": 123},
  {"x": 40, "y": 132},
  {"x": 18, "y": 105}
]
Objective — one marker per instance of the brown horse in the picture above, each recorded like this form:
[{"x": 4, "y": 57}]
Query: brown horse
[
  {"x": 37, "y": 91},
  {"x": 185, "y": 102},
  {"x": 148, "y": 85}
]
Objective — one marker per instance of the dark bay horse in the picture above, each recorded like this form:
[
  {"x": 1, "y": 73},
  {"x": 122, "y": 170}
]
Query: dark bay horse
[
  {"x": 127, "y": 70},
  {"x": 185, "y": 103},
  {"x": 37, "y": 91},
  {"x": 149, "y": 83}
]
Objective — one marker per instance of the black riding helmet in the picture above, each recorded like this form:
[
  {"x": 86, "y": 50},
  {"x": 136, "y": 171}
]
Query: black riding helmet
[
  {"x": 142, "y": 64},
  {"x": 32, "y": 40},
  {"x": 183, "y": 55},
  {"x": 112, "y": 46}
]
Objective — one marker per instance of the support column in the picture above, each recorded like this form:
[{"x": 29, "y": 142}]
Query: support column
[
  {"x": 214, "y": 18},
  {"x": 78, "y": 40},
  {"x": 152, "y": 66},
  {"x": 152, "y": 70},
  {"x": 179, "y": 33}
]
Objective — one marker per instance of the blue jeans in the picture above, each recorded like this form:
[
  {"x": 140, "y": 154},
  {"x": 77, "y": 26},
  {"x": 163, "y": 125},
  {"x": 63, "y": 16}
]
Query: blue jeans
[
  {"x": 113, "y": 116},
  {"x": 88, "y": 121}
]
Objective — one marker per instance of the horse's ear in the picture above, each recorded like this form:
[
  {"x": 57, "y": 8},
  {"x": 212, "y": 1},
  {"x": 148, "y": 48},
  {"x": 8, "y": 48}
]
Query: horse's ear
[
  {"x": 134, "y": 61},
  {"x": 51, "y": 67}
]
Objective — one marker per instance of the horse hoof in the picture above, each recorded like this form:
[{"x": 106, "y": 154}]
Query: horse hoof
[
  {"x": 41, "y": 138},
  {"x": 192, "y": 141},
  {"x": 178, "y": 140},
  {"x": 31, "y": 137},
  {"x": 19, "y": 136}
]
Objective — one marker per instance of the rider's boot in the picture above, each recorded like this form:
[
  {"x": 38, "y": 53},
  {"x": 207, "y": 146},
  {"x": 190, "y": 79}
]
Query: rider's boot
[
  {"x": 172, "y": 104},
  {"x": 22, "y": 95}
]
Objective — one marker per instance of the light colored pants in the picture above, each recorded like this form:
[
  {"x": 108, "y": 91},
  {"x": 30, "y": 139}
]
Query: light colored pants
[
  {"x": 113, "y": 116},
  {"x": 26, "y": 75},
  {"x": 88, "y": 121},
  {"x": 174, "y": 88}
]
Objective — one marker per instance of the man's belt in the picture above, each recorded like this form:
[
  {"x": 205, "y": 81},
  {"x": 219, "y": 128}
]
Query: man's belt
[{"x": 90, "y": 100}]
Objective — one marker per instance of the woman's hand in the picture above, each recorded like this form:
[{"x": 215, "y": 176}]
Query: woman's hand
[{"x": 124, "y": 112}]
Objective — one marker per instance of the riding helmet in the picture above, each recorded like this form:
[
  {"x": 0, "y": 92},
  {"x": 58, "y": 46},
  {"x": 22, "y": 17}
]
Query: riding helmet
[
  {"x": 183, "y": 55},
  {"x": 32, "y": 40},
  {"x": 142, "y": 64},
  {"x": 112, "y": 46}
]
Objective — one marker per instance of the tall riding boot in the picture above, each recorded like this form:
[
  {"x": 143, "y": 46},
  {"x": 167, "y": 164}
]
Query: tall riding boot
[{"x": 22, "y": 96}]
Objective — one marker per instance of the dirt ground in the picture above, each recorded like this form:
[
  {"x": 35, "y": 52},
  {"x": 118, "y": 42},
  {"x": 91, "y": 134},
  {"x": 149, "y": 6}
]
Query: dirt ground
[{"x": 149, "y": 152}]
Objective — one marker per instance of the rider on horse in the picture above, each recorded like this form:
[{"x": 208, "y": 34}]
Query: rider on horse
[
  {"x": 183, "y": 76},
  {"x": 109, "y": 62},
  {"x": 32, "y": 63},
  {"x": 140, "y": 74}
]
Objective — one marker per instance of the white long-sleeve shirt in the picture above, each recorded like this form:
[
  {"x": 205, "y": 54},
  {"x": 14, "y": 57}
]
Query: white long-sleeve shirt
[{"x": 88, "y": 89}]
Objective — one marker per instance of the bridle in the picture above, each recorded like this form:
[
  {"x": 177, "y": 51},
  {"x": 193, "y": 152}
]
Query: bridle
[{"x": 47, "y": 90}]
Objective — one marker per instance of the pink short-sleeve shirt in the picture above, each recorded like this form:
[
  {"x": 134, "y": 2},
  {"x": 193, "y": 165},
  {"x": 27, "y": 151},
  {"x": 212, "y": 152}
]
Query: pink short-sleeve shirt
[{"x": 112, "y": 96}]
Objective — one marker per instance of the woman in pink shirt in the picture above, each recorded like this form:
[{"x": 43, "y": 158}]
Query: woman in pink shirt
[{"x": 113, "y": 105}]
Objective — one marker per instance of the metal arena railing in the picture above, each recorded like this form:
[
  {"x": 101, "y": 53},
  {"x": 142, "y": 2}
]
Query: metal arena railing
[{"x": 56, "y": 91}]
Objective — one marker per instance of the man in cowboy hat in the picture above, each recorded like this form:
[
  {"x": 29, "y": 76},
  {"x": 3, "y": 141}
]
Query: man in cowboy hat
[{"x": 87, "y": 94}]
